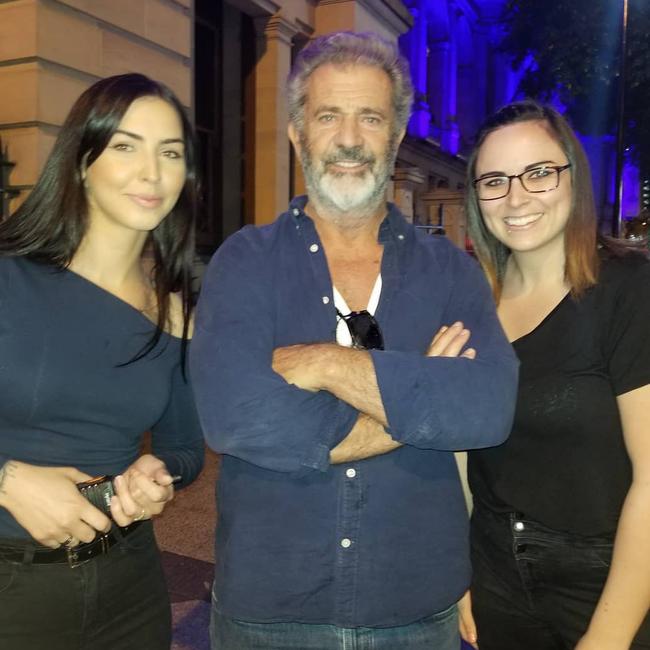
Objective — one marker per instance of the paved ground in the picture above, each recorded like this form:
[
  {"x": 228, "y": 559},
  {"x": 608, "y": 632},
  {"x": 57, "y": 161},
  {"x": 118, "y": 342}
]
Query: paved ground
[{"x": 185, "y": 535}]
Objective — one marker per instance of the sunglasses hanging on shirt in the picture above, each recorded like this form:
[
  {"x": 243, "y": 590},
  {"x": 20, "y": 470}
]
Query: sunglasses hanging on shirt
[{"x": 364, "y": 330}]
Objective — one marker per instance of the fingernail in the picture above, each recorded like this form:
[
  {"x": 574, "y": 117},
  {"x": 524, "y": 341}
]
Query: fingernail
[{"x": 457, "y": 325}]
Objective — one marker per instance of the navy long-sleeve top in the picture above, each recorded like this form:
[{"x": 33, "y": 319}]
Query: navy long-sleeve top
[
  {"x": 67, "y": 399},
  {"x": 380, "y": 542}
]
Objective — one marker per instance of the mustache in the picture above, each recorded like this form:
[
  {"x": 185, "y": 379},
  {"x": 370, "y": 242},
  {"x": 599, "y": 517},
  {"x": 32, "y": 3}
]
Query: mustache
[{"x": 350, "y": 154}]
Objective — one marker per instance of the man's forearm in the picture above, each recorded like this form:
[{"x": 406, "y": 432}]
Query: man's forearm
[
  {"x": 346, "y": 373},
  {"x": 367, "y": 438},
  {"x": 350, "y": 375}
]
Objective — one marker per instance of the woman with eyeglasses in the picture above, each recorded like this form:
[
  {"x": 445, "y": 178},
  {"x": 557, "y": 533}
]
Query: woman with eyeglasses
[
  {"x": 561, "y": 521},
  {"x": 95, "y": 271}
]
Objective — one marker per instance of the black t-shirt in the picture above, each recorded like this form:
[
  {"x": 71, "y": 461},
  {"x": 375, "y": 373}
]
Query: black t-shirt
[{"x": 565, "y": 463}]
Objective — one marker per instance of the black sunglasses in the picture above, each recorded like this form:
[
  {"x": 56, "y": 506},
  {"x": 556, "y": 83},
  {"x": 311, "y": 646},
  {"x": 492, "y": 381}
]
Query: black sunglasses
[{"x": 364, "y": 330}]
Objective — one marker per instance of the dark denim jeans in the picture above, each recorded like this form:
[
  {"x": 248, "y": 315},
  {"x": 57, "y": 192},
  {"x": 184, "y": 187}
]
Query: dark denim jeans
[
  {"x": 437, "y": 632},
  {"x": 116, "y": 601},
  {"x": 535, "y": 588}
]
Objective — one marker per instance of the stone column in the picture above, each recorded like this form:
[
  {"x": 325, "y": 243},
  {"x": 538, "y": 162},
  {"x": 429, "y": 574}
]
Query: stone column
[
  {"x": 450, "y": 133},
  {"x": 447, "y": 205},
  {"x": 50, "y": 52},
  {"x": 274, "y": 36},
  {"x": 406, "y": 183},
  {"x": 418, "y": 55},
  {"x": 436, "y": 85}
]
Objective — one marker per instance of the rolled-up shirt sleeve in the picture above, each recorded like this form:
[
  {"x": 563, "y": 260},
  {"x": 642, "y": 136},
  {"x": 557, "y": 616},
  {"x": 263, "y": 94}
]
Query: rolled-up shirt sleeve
[
  {"x": 246, "y": 409},
  {"x": 454, "y": 403}
]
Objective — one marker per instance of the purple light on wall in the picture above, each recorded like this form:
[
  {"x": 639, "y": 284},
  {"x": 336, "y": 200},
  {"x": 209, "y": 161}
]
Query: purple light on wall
[
  {"x": 414, "y": 46},
  {"x": 631, "y": 202}
]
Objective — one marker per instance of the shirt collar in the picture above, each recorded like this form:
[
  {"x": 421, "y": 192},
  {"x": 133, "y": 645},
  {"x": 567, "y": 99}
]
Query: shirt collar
[{"x": 394, "y": 226}]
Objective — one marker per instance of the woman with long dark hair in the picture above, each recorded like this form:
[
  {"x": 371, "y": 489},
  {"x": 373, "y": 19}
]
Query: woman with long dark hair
[
  {"x": 561, "y": 521},
  {"x": 95, "y": 271}
]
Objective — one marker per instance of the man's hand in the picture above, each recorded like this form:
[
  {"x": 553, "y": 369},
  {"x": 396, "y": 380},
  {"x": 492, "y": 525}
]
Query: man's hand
[
  {"x": 367, "y": 439},
  {"x": 46, "y": 502},
  {"x": 142, "y": 491},
  {"x": 450, "y": 341}
]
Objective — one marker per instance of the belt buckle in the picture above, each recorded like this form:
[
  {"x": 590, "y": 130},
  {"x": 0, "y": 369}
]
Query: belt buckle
[
  {"x": 73, "y": 558},
  {"x": 72, "y": 554}
]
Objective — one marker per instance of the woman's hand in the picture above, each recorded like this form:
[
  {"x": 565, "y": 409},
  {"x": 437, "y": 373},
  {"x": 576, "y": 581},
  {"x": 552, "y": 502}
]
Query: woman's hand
[
  {"x": 466, "y": 623},
  {"x": 141, "y": 491},
  {"x": 450, "y": 341},
  {"x": 46, "y": 502}
]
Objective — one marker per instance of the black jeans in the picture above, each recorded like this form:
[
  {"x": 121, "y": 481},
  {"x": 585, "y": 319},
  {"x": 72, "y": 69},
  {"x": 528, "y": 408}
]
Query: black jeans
[
  {"x": 116, "y": 601},
  {"x": 535, "y": 588}
]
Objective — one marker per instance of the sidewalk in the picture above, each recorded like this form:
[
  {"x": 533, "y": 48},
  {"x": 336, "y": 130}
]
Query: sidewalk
[{"x": 185, "y": 534}]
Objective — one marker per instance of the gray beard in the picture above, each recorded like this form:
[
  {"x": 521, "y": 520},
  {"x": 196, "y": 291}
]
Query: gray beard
[{"x": 354, "y": 205}]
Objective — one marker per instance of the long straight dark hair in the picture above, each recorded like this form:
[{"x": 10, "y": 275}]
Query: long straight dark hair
[{"x": 49, "y": 226}]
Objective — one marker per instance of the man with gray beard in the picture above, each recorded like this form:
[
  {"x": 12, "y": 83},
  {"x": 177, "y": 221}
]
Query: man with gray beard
[{"x": 323, "y": 375}]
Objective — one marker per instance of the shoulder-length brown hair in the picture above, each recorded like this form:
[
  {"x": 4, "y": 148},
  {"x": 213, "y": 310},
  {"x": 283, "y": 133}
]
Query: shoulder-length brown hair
[{"x": 580, "y": 235}]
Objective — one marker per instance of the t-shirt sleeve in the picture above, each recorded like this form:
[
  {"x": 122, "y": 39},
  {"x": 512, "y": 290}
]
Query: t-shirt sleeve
[{"x": 628, "y": 340}]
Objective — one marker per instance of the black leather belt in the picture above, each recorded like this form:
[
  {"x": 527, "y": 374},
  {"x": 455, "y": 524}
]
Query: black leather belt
[{"x": 31, "y": 554}]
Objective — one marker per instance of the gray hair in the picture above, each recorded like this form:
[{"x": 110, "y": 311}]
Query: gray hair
[{"x": 350, "y": 48}]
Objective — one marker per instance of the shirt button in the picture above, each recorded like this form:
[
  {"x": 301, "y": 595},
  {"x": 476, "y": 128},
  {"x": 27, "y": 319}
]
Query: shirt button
[
  {"x": 518, "y": 526},
  {"x": 400, "y": 237},
  {"x": 351, "y": 472},
  {"x": 314, "y": 248},
  {"x": 326, "y": 300},
  {"x": 296, "y": 212},
  {"x": 346, "y": 543}
]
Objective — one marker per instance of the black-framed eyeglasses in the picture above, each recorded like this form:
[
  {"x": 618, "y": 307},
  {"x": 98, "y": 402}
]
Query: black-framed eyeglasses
[
  {"x": 364, "y": 330},
  {"x": 539, "y": 179}
]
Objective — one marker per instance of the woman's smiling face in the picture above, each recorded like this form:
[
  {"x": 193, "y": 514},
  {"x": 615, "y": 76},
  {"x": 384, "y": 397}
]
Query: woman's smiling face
[
  {"x": 525, "y": 221},
  {"x": 136, "y": 181}
]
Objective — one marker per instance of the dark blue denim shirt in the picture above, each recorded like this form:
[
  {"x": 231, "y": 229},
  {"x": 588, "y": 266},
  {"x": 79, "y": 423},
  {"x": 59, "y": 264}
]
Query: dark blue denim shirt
[{"x": 380, "y": 542}]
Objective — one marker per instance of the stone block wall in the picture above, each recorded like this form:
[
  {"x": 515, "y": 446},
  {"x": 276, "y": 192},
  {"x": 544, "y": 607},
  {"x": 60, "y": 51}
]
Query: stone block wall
[{"x": 51, "y": 50}]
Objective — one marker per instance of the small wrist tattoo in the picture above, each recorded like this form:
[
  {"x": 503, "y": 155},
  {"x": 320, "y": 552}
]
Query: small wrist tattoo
[{"x": 6, "y": 470}]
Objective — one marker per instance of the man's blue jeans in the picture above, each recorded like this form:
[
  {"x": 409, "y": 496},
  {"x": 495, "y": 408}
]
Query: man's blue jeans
[{"x": 437, "y": 632}]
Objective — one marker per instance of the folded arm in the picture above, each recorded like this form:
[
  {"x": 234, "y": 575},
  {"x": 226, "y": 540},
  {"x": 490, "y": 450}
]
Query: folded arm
[
  {"x": 303, "y": 365},
  {"x": 435, "y": 401},
  {"x": 246, "y": 409}
]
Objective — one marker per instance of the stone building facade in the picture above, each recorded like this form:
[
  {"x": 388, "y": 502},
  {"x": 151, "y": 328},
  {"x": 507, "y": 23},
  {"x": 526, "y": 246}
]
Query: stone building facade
[
  {"x": 228, "y": 61},
  {"x": 51, "y": 50}
]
